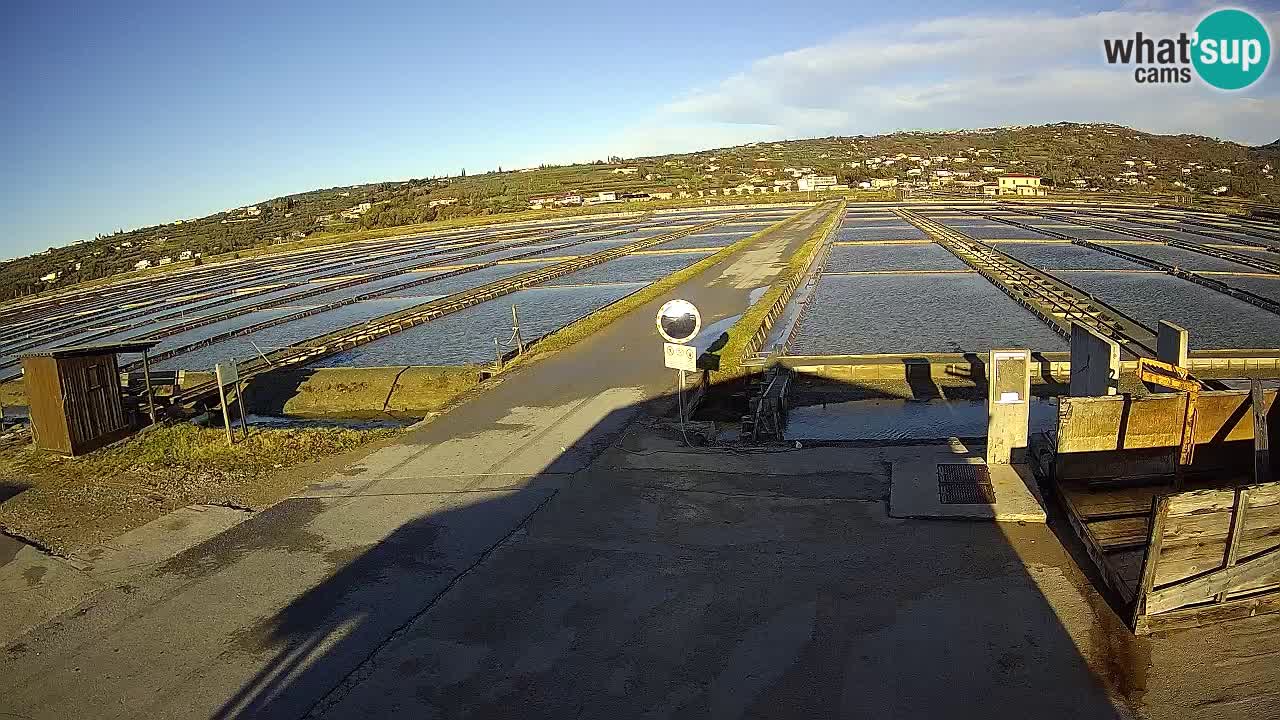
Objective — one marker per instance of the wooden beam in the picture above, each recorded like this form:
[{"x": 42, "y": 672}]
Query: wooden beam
[
  {"x": 1233, "y": 536},
  {"x": 1208, "y": 614},
  {"x": 1210, "y": 584},
  {"x": 1261, "y": 436},
  {"x": 1151, "y": 558}
]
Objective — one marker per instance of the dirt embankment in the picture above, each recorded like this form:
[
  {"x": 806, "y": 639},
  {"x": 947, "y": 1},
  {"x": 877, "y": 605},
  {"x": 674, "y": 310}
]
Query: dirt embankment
[
  {"x": 71, "y": 504},
  {"x": 359, "y": 392}
]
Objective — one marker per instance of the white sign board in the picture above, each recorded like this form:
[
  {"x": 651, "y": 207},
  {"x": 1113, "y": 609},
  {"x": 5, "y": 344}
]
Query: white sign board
[
  {"x": 680, "y": 357},
  {"x": 228, "y": 373},
  {"x": 679, "y": 321}
]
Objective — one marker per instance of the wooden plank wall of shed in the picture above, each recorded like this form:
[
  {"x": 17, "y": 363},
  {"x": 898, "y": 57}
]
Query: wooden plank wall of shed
[
  {"x": 91, "y": 387},
  {"x": 44, "y": 397}
]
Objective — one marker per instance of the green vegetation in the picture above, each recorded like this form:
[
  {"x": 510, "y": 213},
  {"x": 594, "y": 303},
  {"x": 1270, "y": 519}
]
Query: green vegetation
[
  {"x": 72, "y": 503},
  {"x": 1095, "y": 154},
  {"x": 13, "y": 393},
  {"x": 780, "y": 291}
]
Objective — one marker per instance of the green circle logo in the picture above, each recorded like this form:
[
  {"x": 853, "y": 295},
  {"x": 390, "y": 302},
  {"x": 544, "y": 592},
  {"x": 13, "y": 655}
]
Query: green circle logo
[{"x": 1232, "y": 49}]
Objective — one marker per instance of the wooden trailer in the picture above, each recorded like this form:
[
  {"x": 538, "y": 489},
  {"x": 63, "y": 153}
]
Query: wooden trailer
[
  {"x": 75, "y": 397},
  {"x": 1172, "y": 557}
]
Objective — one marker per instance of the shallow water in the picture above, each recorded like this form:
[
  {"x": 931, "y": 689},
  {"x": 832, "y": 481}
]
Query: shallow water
[
  {"x": 268, "y": 339},
  {"x": 1185, "y": 259},
  {"x": 1215, "y": 321},
  {"x": 467, "y": 336},
  {"x": 896, "y": 232},
  {"x": 468, "y": 280},
  {"x": 1064, "y": 256},
  {"x": 632, "y": 268},
  {"x": 865, "y": 314},
  {"x": 892, "y": 419},
  {"x": 719, "y": 239},
  {"x": 931, "y": 256},
  {"x": 992, "y": 232}
]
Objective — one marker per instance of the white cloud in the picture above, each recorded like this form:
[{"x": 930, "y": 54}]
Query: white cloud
[{"x": 972, "y": 71}]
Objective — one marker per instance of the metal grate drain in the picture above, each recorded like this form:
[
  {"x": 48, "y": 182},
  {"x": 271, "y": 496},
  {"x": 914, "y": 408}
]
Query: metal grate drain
[{"x": 965, "y": 484}]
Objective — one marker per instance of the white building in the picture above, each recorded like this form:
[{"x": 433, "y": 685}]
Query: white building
[
  {"x": 142, "y": 265},
  {"x": 816, "y": 182}
]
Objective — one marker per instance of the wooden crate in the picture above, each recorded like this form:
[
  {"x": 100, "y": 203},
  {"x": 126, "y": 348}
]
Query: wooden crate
[{"x": 1169, "y": 559}]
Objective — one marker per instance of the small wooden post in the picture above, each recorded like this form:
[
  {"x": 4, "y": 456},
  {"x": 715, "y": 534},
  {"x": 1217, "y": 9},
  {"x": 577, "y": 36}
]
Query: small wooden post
[
  {"x": 227, "y": 375},
  {"x": 244, "y": 410},
  {"x": 1261, "y": 435},
  {"x": 226, "y": 416},
  {"x": 146, "y": 378}
]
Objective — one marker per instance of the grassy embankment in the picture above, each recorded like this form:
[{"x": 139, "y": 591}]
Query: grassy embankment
[
  {"x": 70, "y": 504},
  {"x": 779, "y": 293},
  {"x": 593, "y": 323}
]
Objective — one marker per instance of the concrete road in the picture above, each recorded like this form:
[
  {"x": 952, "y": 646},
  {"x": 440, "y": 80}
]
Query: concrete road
[
  {"x": 545, "y": 552},
  {"x": 268, "y": 618}
]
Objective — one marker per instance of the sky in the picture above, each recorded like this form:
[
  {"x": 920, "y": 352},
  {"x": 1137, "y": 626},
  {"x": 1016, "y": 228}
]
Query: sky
[{"x": 125, "y": 114}]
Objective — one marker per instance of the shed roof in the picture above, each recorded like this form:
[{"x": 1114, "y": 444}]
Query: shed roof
[{"x": 128, "y": 346}]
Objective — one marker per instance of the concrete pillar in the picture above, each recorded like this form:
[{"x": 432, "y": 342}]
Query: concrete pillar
[
  {"x": 1095, "y": 363},
  {"x": 1171, "y": 347},
  {"x": 1008, "y": 405},
  {"x": 1171, "y": 344}
]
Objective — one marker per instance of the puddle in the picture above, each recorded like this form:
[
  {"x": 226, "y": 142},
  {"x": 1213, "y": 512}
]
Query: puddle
[{"x": 904, "y": 419}]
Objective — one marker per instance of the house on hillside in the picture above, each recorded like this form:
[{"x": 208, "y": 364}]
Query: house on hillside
[
  {"x": 1022, "y": 185},
  {"x": 442, "y": 203},
  {"x": 142, "y": 265}
]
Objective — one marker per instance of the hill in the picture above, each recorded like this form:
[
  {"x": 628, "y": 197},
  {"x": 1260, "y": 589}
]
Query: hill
[{"x": 1069, "y": 155}]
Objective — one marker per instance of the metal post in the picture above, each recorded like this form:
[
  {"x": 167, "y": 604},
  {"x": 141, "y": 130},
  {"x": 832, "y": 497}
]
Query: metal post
[
  {"x": 146, "y": 377},
  {"x": 244, "y": 410},
  {"x": 680, "y": 396},
  {"x": 226, "y": 417},
  {"x": 497, "y": 349}
]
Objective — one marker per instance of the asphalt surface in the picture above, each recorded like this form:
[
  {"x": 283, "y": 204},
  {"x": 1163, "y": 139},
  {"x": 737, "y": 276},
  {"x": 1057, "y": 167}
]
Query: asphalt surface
[
  {"x": 547, "y": 550},
  {"x": 267, "y": 619}
]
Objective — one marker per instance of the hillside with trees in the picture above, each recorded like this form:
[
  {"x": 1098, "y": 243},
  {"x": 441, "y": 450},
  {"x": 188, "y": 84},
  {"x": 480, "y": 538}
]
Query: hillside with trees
[{"x": 1083, "y": 157}]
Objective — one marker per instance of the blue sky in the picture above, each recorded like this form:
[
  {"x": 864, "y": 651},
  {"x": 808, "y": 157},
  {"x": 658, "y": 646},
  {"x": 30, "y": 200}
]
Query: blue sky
[{"x": 128, "y": 114}]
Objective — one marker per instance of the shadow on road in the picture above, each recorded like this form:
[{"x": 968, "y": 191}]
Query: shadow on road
[{"x": 669, "y": 582}]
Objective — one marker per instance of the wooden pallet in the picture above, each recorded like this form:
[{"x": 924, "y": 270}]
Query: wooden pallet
[{"x": 1169, "y": 559}]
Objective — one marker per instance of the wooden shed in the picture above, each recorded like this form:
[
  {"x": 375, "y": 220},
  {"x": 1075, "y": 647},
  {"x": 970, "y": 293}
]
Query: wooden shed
[{"x": 75, "y": 398}]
